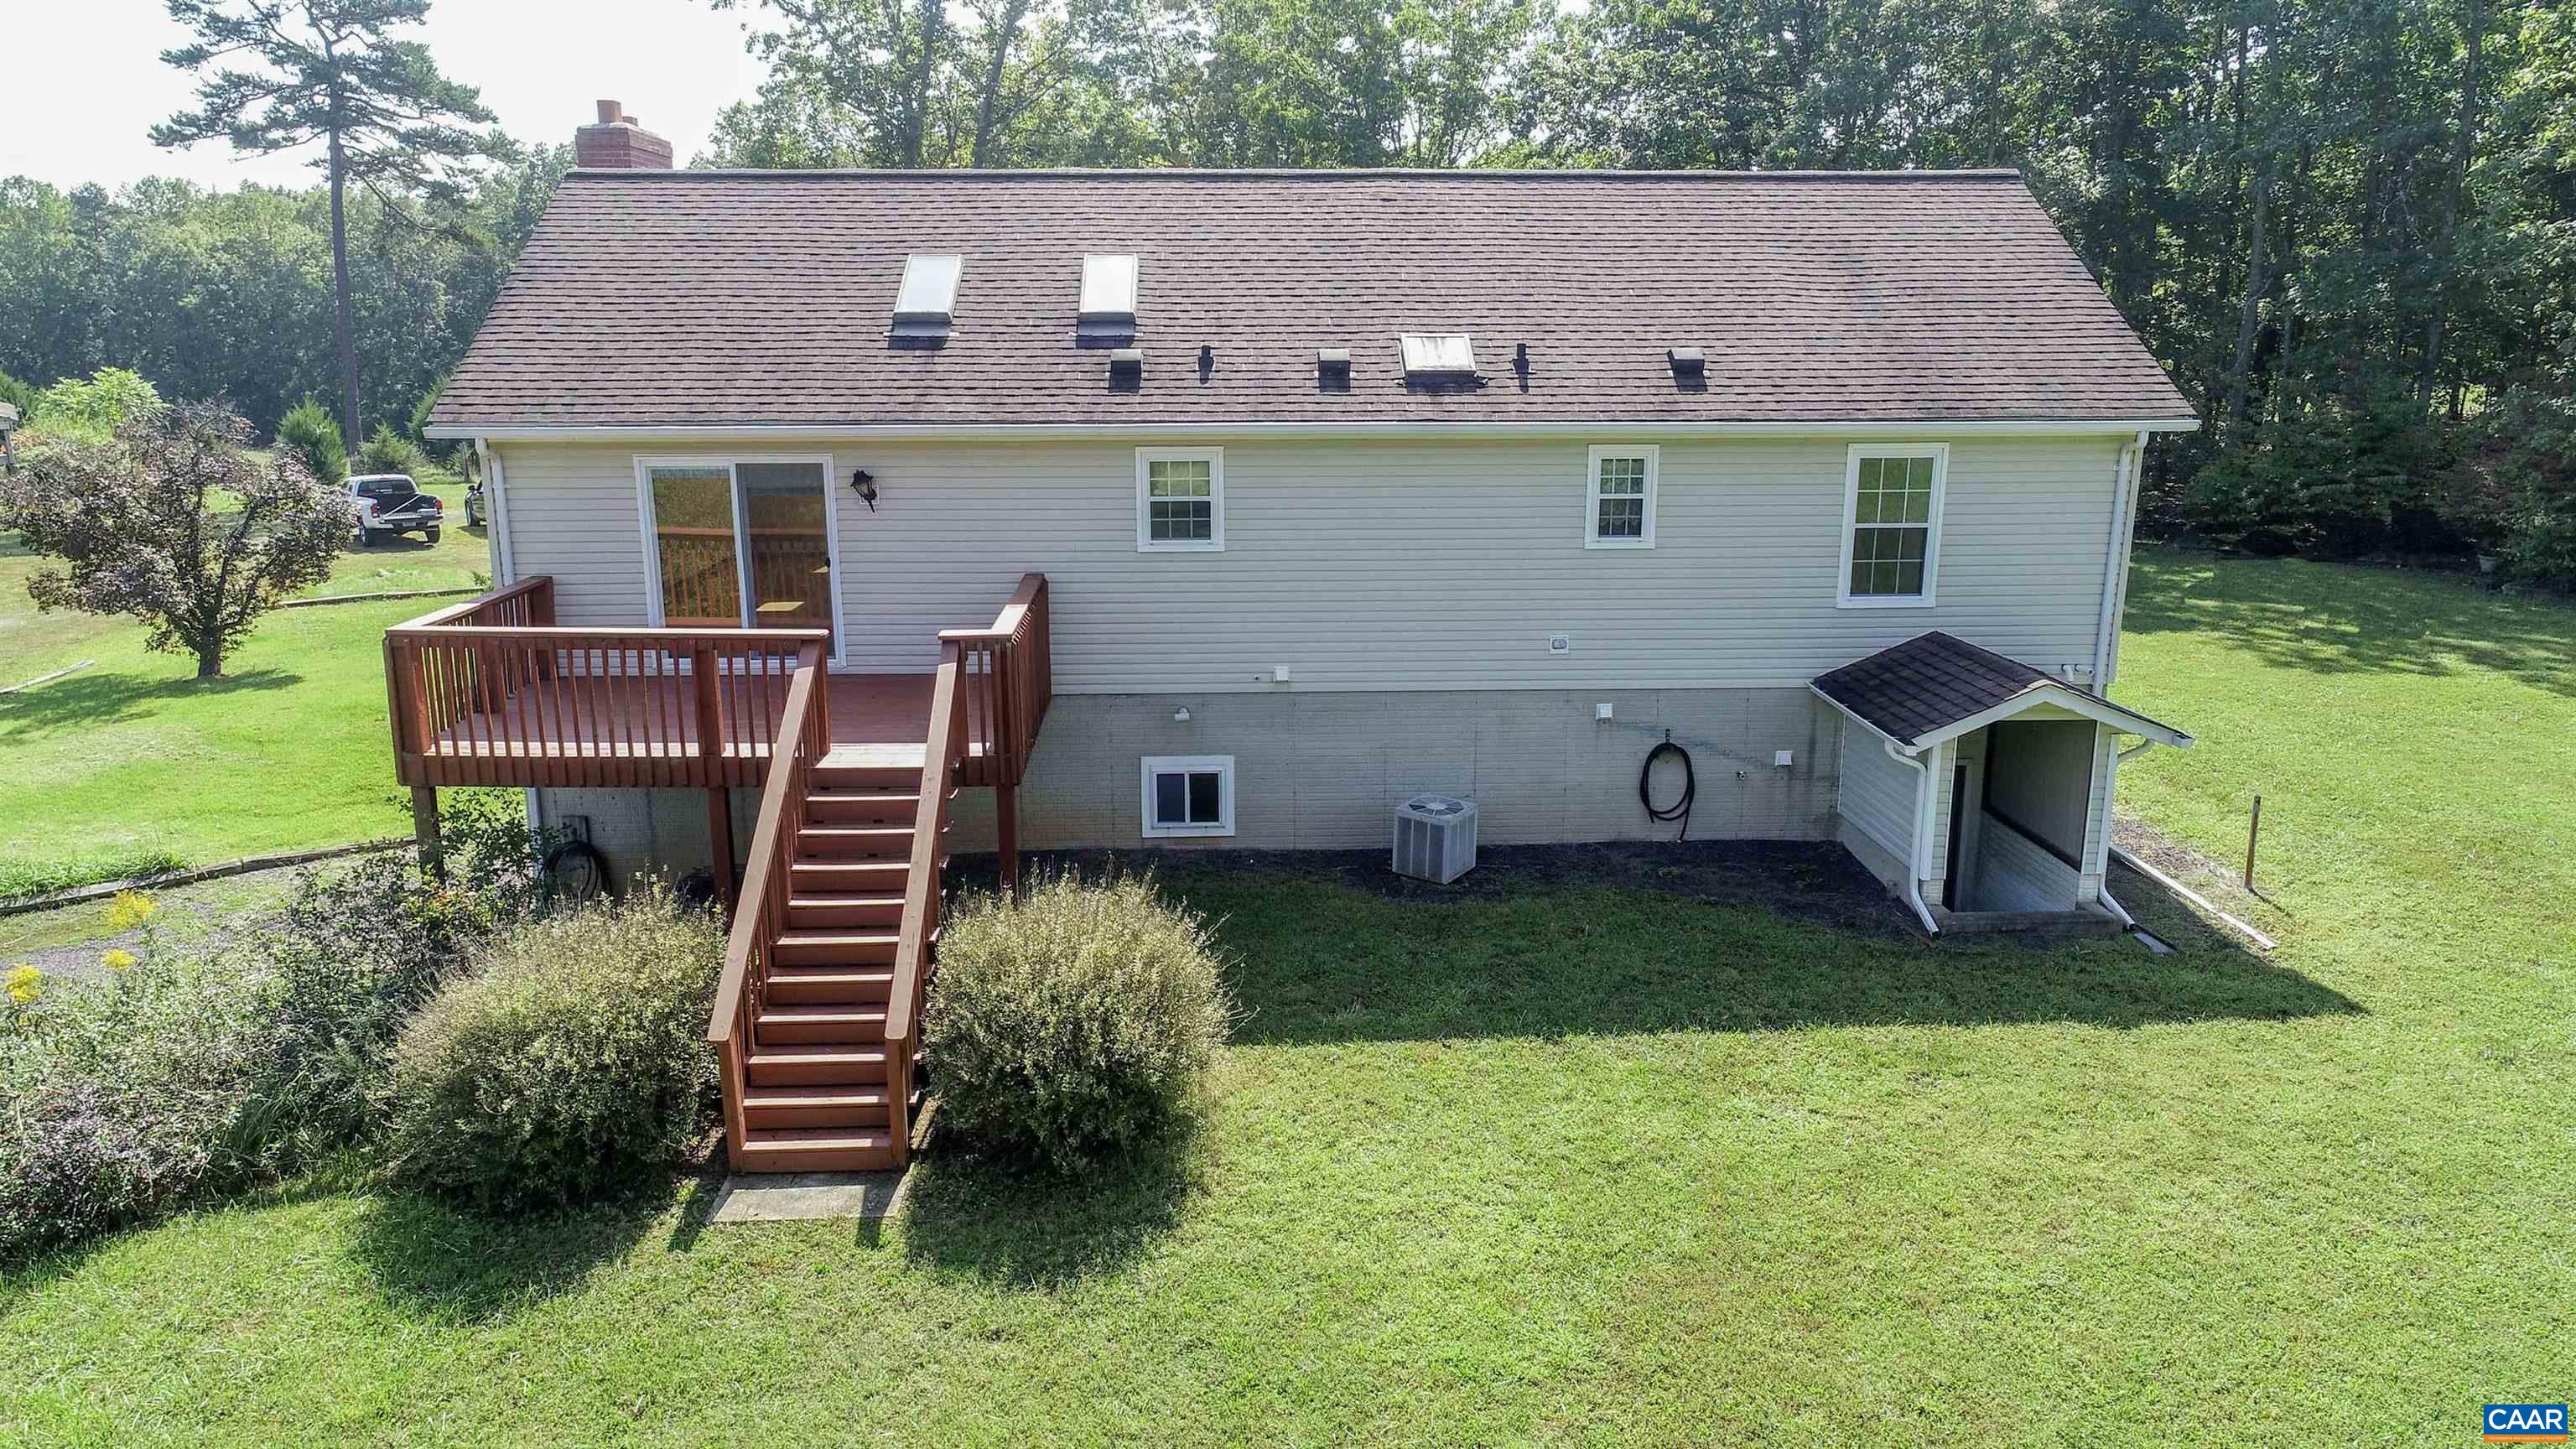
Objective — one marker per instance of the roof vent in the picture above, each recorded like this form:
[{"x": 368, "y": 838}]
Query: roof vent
[
  {"x": 1686, "y": 361},
  {"x": 1108, "y": 299},
  {"x": 1333, "y": 369},
  {"x": 1438, "y": 357},
  {"x": 926, "y": 303},
  {"x": 1126, "y": 366}
]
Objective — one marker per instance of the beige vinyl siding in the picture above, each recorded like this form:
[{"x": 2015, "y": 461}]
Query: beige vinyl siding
[
  {"x": 1876, "y": 794},
  {"x": 2015, "y": 874},
  {"x": 1367, "y": 565},
  {"x": 573, "y": 515}
]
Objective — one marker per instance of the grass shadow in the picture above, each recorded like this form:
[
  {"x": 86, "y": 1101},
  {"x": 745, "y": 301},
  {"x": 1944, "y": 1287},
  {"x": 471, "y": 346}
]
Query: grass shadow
[
  {"x": 968, "y": 1215},
  {"x": 2320, "y": 619},
  {"x": 89, "y": 700},
  {"x": 437, "y": 1262},
  {"x": 1573, "y": 941}
]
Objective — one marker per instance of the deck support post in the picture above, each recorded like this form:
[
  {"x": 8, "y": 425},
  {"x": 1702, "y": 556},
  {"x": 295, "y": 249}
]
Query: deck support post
[
  {"x": 1006, "y": 834},
  {"x": 720, "y": 843},
  {"x": 424, "y": 830}
]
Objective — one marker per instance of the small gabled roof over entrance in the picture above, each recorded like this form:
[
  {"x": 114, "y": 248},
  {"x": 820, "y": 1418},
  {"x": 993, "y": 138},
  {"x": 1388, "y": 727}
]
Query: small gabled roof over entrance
[{"x": 1936, "y": 686}]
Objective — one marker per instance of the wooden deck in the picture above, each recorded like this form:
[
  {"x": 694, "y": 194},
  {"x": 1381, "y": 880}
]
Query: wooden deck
[
  {"x": 644, "y": 730},
  {"x": 495, "y": 692}
]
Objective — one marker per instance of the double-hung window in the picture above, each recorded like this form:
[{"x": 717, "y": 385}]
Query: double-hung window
[
  {"x": 1619, "y": 498},
  {"x": 1189, "y": 795},
  {"x": 1180, "y": 499},
  {"x": 1892, "y": 524}
]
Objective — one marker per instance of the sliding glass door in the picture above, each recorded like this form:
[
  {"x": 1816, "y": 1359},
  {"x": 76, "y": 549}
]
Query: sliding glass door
[{"x": 741, "y": 543}]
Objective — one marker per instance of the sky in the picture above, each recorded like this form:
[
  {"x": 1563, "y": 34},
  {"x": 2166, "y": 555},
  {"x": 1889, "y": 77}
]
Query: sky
[{"x": 86, "y": 82}]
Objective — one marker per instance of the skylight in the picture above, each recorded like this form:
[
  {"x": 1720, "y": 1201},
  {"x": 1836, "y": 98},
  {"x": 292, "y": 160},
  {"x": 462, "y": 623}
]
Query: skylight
[
  {"x": 926, "y": 302},
  {"x": 1438, "y": 354},
  {"x": 1108, "y": 294}
]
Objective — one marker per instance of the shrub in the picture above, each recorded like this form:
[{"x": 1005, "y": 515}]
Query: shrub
[
  {"x": 309, "y": 432},
  {"x": 18, "y": 395},
  {"x": 569, "y": 1065},
  {"x": 391, "y": 452},
  {"x": 96, "y": 406},
  {"x": 1077, "y": 1023},
  {"x": 180, "y": 1078},
  {"x": 132, "y": 1095},
  {"x": 439, "y": 452}
]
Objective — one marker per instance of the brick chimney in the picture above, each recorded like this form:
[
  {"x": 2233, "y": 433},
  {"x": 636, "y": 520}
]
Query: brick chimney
[{"x": 618, "y": 142}]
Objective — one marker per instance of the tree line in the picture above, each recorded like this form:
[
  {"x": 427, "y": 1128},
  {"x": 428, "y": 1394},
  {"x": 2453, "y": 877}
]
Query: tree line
[{"x": 2348, "y": 228}]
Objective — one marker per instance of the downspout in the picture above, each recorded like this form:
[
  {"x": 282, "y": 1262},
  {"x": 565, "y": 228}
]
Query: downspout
[
  {"x": 1922, "y": 830},
  {"x": 496, "y": 522},
  {"x": 2106, "y": 641},
  {"x": 2115, "y": 559},
  {"x": 496, "y": 498},
  {"x": 2110, "y": 787}
]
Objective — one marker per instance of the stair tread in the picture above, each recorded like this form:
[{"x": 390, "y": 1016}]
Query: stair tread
[
  {"x": 845, "y": 1094},
  {"x": 818, "y": 1139},
  {"x": 841, "y": 902},
  {"x": 790, "y": 971},
  {"x": 787, "y": 1011},
  {"x": 836, "y": 938},
  {"x": 812, "y": 1052}
]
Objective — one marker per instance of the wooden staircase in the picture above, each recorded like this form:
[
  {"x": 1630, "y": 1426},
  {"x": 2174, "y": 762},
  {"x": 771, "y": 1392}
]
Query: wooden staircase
[
  {"x": 817, "y": 1015},
  {"x": 817, "y": 1096}
]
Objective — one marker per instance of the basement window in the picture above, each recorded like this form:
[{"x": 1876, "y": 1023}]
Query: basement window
[
  {"x": 1188, "y": 795},
  {"x": 1619, "y": 500},
  {"x": 1180, "y": 500}
]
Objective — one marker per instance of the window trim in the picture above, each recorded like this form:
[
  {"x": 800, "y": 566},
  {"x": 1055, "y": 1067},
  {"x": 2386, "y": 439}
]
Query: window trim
[
  {"x": 1222, "y": 766},
  {"x": 1939, "y": 453},
  {"x": 732, "y": 463},
  {"x": 1145, "y": 540},
  {"x": 1653, "y": 454}
]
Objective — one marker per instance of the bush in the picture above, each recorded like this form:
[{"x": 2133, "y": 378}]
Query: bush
[
  {"x": 441, "y": 453},
  {"x": 1077, "y": 1023},
  {"x": 131, "y": 1095},
  {"x": 569, "y": 1065},
  {"x": 175, "y": 1080},
  {"x": 391, "y": 452},
  {"x": 308, "y": 431},
  {"x": 93, "y": 407},
  {"x": 18, "y": 395}
]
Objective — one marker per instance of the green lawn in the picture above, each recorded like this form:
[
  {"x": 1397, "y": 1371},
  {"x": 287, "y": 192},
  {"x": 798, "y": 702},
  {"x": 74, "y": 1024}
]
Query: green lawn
[
  {"x": 1624, "y": 1162},
  {"x": 133, "y": 757}
]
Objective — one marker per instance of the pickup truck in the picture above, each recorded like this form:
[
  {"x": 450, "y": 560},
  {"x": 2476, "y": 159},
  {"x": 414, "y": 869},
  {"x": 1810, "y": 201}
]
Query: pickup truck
[{"x": 388, "y": 503}]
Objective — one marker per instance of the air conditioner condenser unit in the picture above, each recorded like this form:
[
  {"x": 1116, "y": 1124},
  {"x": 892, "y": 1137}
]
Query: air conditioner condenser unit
[{"x": 1435, "y": 838}]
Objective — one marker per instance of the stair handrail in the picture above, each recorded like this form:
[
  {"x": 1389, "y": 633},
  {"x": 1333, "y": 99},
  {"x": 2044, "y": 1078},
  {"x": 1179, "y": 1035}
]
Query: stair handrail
[
  {"x": 944, "y": 751},
  {"x": 804, "y": 737}
]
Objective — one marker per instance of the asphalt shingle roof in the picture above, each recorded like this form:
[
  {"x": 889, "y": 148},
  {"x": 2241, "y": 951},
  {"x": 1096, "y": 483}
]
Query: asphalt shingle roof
[
  {"x": 692, "y": 297},
  {"x": 1935, "y": 680}
]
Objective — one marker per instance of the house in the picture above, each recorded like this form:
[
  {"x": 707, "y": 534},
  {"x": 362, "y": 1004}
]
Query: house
[{"x": 1228, "y": 509}]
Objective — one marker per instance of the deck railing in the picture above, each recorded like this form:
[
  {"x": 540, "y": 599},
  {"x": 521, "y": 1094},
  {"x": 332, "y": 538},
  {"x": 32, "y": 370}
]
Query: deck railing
[
  {"x": 804, "y": 738},
  {"x": 1006, "y": 679},
  {"x": 492, "y": 692},
  {"x": 944, "y": 757}
]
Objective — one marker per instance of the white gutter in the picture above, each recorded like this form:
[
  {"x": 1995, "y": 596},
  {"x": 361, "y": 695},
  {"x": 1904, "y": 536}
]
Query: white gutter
[
  {"x": 1560, "y": 428},
  {"x": 1923, "y": 799}
]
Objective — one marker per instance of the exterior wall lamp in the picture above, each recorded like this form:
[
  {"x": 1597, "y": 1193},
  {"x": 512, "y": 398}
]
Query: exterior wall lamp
[{"x": 864, "y": 484}]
